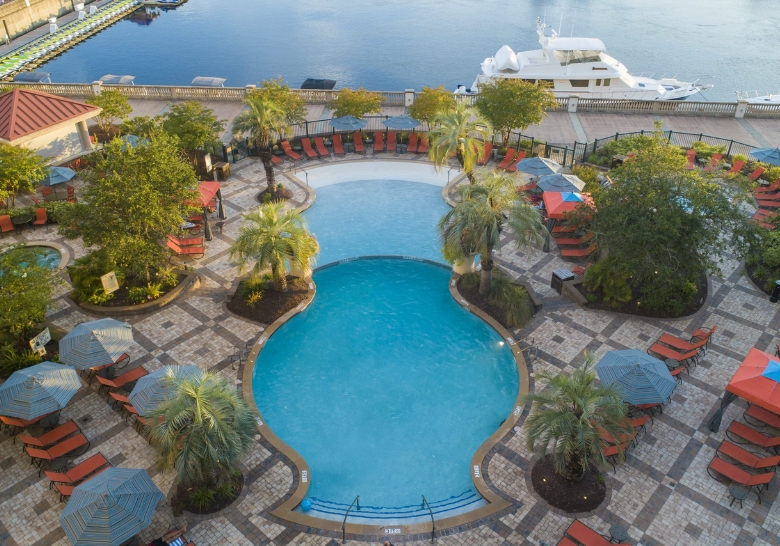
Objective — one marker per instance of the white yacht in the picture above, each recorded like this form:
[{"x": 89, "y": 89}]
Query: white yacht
[
  {"x": 759, "y": 99},
  {"x": 578, "y": 67}
]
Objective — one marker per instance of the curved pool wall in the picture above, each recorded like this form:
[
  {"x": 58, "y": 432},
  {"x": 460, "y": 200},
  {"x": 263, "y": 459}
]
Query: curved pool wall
[{"x": 386, "y": 387}]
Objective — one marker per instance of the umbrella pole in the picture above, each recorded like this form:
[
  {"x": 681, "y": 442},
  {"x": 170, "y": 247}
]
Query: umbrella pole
[{"x": 206, "y": 228}]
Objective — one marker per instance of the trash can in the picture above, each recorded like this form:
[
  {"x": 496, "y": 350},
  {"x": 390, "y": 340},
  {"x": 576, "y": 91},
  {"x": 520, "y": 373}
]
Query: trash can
[
  {"x": 558, "y": 278},
  {"x": 223, "y": 170}
]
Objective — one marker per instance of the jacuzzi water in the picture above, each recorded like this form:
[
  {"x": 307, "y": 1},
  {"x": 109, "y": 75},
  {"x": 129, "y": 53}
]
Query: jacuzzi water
[
  {"x": 386, "y": 387},
  {"x": 47, "y": 257},
  {"x": 377, "y": 218}
]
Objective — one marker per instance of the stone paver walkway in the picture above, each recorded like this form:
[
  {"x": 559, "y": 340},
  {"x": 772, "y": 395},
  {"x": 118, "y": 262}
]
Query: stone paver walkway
[{"x": 662, "y": 494}]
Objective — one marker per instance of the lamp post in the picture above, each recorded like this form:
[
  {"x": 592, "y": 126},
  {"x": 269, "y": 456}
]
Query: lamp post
[{"x": 775, "y": 293}]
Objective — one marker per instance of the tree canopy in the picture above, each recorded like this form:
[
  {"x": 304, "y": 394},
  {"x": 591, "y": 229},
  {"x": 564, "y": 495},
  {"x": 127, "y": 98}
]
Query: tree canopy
[
  {"x": 432, "y": 101},
  {"x": 20, "y": 169},
  {"x": 115, "y": 107},
  {"x": 193, "y": 124},
  {"x": 277, "y": 92},
  {"x": 25, "y": 290},
  {"x": 513, "y": 104},
  {"x": 458, "y": 133},
  {"x": 132, "y": 199},
  {"x": 355, "y": 103}
]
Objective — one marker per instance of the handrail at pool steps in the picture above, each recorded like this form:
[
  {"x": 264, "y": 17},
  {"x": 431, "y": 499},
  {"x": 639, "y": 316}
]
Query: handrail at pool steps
[
  {"x": 433, "y": 522},
  {"x": 344, "y": 523}
]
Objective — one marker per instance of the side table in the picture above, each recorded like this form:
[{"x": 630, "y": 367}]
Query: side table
[
  {"x": 21, "y": 220},
  {"x": 618, "y": 533},
  {"x": 737, "y": 493}
]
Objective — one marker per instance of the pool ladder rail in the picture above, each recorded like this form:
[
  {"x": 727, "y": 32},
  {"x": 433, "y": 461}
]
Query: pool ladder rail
[
  {"x": 344, "y": 523},
  {"x": 433, "y": 523}
]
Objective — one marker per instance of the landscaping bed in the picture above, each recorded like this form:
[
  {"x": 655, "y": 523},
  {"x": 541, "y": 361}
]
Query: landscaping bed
[
  {"x": 471, "y": 294},
  {"x": 761, "y": 276},
  {"x": 272, "y": 304},
  {"x": 281, "y": 194},
  {"x": 582, "y": 496},
  {"x": 122, "y": 296},
  {"x": 187, "y": 498}
]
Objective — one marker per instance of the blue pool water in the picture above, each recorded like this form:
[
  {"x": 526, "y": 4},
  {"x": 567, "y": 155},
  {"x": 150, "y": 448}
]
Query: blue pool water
[
  {"x": 407, "y": 44},
  {"x": 377, "y": 218},
  {"x": 47, "y": 257},
  {"x": 386, "y": 387}
]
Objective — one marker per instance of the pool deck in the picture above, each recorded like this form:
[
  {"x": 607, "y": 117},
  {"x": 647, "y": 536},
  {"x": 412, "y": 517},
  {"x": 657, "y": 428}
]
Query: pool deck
[{"x": 662, "y": 494}]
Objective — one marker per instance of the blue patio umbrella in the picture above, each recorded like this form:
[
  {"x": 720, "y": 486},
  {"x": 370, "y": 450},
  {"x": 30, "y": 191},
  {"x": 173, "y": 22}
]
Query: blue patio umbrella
[
  {"x": 38, "y": 390},
  {"x": 151, "y": 390},
  {"x": 110, "y": 508},
  {"x": 538, "y": 166},
  {"x": 347, "y": 123},
  {"x": 96, "y": 343},
  {"x": 641, "y": 378},
  {"x": 57, "y": 175},
  {"x": 401, "y": 123},
  {"x": 560, "y": 182},
  {"x": 767, "y": 155}
]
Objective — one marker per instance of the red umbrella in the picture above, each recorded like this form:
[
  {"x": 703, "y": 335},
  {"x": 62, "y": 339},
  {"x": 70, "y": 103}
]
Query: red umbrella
[
  {"x": 557, "y": 203},
  {"x": 756, "y": 380}
]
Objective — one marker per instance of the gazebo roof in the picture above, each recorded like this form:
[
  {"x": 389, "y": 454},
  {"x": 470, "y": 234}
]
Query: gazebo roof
[{"x": 24, "y": 112}]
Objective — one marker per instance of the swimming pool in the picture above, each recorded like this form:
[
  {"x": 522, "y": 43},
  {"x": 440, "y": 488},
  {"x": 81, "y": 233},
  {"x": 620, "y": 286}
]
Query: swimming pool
[
  {"x": 46, "y": 257},
  {"x": 386, "y": 387}
]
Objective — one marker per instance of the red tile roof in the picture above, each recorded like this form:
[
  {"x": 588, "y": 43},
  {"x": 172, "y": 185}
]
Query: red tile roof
[{"x": 24, "y": 111}]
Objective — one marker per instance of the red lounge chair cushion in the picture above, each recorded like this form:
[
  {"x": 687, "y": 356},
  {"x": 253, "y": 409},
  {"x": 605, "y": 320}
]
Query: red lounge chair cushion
[
  {"x": 321, "y": 148},
  {"x": 753, "y": 436},
  {"x": 585, "y": 535},
  {"x": 289, "y": 151},
  {"x": 308, "y": 150},
  {"x": 756, "y": 412},
  {"x": 736, "y": 167},
  {"x": 667, "y": 352},
  {"x": 578, "y": 252},
  {"x": 358, "y": 142},
  {"x": 379, "y": 142},
  {"x": 58, "y": 450},
  {"x": 84, "y": 468},
  {"x": 486, "y": 151},
  {"x": 338, "y": 148},
  {"x": 40, "y": 217},
  {"x": 412, "y": 147},
  {"x": 508, "y": 158},
  {"x": 51, "y": 437},
  {"x": 423, "y": 147},
  {"x": 5, "y": 223},
  {"x": 391, "y": 141}
]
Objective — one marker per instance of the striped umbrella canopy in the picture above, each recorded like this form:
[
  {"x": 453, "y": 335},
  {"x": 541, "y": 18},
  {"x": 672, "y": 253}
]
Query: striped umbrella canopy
[
  {"x": 641, "y": 378},
  {"x": 96, "y": 343},
  {"x": 402, "y": 123},
  {"x": 151, "y": 390},
  {"x": 110, "y": 508},
  {"x": 347, "y": 123},
  {"x": 38, "y": 390},
  {"x": 538, "y": 166}
]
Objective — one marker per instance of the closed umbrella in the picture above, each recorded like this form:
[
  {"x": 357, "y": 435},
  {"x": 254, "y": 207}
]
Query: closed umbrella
[
  {"x": 767, "y": 155},
  {"x": 96, "y": 343},
  {"x": 152, "y": 390},
  {"x": 347, "y": 123},
  {"x": 206, "y": 227},
  {"x": 560, "y": 183},
  {"x": 110, "y": 508},
  {"x": 220, "y": 206},
  {"x": 538, "y": 166},
  {"x": 38, "y": 390},
  {"x": 401, "y": 123},
  {"x": 641, "y": 378}
]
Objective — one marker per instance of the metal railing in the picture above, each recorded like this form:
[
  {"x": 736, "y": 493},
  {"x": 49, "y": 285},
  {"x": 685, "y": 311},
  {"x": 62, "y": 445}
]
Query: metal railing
[
  {"x": 433, "y": 522},
  {"x": 344, "y": 523}
]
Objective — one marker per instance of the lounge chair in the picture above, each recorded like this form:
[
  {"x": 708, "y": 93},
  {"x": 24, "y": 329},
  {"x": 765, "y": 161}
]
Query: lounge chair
[
  {"x": 186, "y": 250},
  {"x": 681, "y": 344},
  {"x": 756, "y": 174},
  {"x": 611, "y": 453},
  {"x": 186, "y": 241},
  {"x": 379, "y": 142},
  {"x": 563, "y": 229},
  {"x": 508, "y": 158},
  {"x": 768, "y": 204},
  {"x": 704, "y": 334},
  {"x": 307, "y": 149},
  {"x": 513, "y": 166},
  {"x": 57, "y": 450},
  {"x": 579, "y": 270},
  {"x": 736, "y": 167},
  {"x": 578, "y": 252},
  {"x": 575, "y": 240},
  {"x": 66, "y": 490},
  {"x": 412, "y": 146},
  {"x": 735, "y": 474},
  {"x": 714, "y": 162},
  {"x": 5, "y": 223},
  {"x": 423, "y": 147},
  {"x": 566, "y": 542},
  {"x": 691, "y": 155},
  {"x": 46, "y": 191},
  {"x": 14, "y": 425},
  {"x": 51, "y": 437},
  {"x": 78, "y": 472},
  {"x": 357, "y": 140},
  {"x": 647, "y": 409},
  {"x": 91, "y": 372},
  {"x": 288, "y": 151},
  {"x": 748, "y": 458},
  {"x": 639, "y": 422},
  {"x": 391, "y": 142},
  {"x": 122, "y": 380},
  {"x": 752, "y": 436},
  {"x": 321, "y": 148},
  {"x": 667, "y": 352},
  {"x": 765, "y": 418},
  {"x": 275, "y": 159},
  {"x": 767, "y": 196},
  {"x": 775, "y": 186},
  {"x": 338, "y": 147},
  {"x": 487, "y": 149},
  {"x": 40, "y": 217},
  {"x": 582, "y": 534}
]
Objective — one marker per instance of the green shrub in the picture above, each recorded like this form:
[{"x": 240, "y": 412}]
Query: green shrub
[
  {"x": 12, "y": 360},
  {"x": 626, "y": 145},
  {"x": 739, "y": 157},
  {"x": 771, "y": 173},
  {"x": 168, "y": 276},
  {"x": 592, "y": 298},
  {"x": 593, "y": 158},
  {"x": 589, "y": 175},
  {"x": 85, "y": 276},
  {"x": 705, "y": 151},
  {"x": 525, "y": 145},
  {"x": 611, "y": 278},
  {"x": 513, "y": 299},
  {"x": 225, "y": 490},
  {"x": 202, "y": 497},
  {"x": 470, "y": 280},
  {"x": 253, "y": 298},
  {"x": 142, "y": 294},
  {"x": 266, "y": 198}
]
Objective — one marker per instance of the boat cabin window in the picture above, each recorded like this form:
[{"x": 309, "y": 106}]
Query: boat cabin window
[
  {"x": 598, "y": 83},
  {"x": 606, "y": 81},
  {"x": 574, "y": 56},
  {"x": 579, "y": 83}
]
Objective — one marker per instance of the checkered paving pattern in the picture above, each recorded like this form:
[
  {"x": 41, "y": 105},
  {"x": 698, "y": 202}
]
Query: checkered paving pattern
[{"x": 662, "y": 494}]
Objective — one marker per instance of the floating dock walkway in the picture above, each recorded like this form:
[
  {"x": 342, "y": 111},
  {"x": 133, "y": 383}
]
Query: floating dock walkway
[{"x": 37, "y": 52}]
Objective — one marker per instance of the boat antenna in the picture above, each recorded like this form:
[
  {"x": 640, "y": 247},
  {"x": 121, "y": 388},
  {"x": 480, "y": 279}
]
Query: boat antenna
[
  {"x": 577, "y": 5},
  {"x": 560, "y": 24}
]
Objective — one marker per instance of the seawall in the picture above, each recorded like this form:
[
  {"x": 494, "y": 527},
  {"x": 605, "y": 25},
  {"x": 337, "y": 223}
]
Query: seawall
[{"x": 21, "y": 16}]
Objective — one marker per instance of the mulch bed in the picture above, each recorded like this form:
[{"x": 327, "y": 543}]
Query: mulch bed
[
  {"x": 760, "y": 283},
  {"x": 631, "y": 308},
  {"x": 181, "y": 500},
  {"x": 122, "y": 296},
  {"x": 273, "y": 304},
  {"x": 472, "y": 295},
  {"x": 582, "y": 496},
  {"x": 281, "y": 194}
]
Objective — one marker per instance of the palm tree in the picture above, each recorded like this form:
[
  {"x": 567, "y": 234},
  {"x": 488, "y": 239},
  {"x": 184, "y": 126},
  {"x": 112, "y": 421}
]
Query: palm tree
[
  {"x": 455, "y": 135},
  {"x": 203, "y": 429},
  {"x": 475, "y": 224},
  {"x": 569, "y": 415},
  {"x": 273, "y": 237},
  {"x": 263, "y": 121}
]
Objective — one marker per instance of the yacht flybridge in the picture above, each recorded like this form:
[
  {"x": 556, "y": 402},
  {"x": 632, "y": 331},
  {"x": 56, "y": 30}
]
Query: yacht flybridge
[{"x": 578, "y": 67}]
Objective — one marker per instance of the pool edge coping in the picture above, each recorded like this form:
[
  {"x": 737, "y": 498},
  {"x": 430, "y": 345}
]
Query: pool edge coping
[{"x": 286, "y": 510}]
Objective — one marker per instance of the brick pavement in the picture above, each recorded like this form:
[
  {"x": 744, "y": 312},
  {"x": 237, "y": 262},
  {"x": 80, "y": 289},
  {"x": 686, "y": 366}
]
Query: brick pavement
[{"x": 662, "y": 494}]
